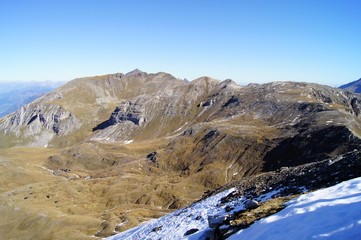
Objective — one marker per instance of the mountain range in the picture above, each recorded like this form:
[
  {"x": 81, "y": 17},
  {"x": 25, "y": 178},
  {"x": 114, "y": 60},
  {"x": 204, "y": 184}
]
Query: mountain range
[
  {"x": 100, "y": 155},
  {"x": 13, "y": 95}
]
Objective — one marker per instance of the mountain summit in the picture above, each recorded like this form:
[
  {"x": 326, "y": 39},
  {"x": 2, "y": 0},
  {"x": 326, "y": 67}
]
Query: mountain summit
[{"x": 135, "y": 72}]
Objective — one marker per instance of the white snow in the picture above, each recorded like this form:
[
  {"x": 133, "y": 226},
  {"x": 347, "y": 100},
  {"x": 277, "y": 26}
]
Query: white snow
[
  {"x": 174, "y": 225},
  {"x": 331, "y": 213},
  {"x": 180, "y": 128},
  {"x": 128, "y": 141},
  {"x": 269, "y": 195},
  {"x": 296, "y": 118},
  {"x": 46, "y": 169}
]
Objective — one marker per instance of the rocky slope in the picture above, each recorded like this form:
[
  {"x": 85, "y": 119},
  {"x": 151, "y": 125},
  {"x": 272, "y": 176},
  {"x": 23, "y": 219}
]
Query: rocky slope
[
  {"x": 166, "y": 141},
  {"x": 273, "y": 125},
  {"x": 148, "y": 106}
]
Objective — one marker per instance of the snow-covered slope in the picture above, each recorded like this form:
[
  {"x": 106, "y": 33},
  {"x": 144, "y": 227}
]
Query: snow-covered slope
[
  {"x": 176, "y": 224},
  {"x": 330, "y": 213}
]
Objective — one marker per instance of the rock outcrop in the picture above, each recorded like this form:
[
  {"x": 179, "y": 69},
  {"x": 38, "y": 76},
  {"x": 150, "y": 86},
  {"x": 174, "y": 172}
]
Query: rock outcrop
[
  {"x": 126, "y": 111},
  {"x": 37, "y": 125}
]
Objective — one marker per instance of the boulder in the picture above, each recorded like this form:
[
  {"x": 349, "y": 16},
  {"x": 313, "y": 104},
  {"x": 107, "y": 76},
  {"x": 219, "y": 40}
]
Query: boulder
[{"x": 251, "y": 204}]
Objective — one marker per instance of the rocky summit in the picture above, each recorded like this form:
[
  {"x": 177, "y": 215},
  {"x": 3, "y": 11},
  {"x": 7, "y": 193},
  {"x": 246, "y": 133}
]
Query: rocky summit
[{"x": 102, "y": 154}]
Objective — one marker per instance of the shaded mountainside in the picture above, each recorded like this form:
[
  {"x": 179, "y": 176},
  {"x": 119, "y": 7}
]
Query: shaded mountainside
[
  {"x": 132, "y": 147},
  {"x": 354, "y": 86},
  {"x": 274, "y": 125}
]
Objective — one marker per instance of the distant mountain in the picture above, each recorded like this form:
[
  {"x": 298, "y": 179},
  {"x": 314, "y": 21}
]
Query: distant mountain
[
  {"x": 354, "y": 86},
  {"x": 13, "y": 95}
]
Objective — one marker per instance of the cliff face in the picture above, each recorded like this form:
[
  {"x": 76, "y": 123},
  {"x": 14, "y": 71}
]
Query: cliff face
[{"x": 38, "y": 125}]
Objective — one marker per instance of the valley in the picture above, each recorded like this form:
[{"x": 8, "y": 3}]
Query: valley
[{"x": 41, "y": 203}]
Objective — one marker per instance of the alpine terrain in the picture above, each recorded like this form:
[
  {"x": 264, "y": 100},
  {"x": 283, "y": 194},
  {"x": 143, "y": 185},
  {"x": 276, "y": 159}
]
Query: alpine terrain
[{"x": 101, "y": 155}]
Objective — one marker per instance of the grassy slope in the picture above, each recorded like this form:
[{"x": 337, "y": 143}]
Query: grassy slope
[{"x": 39, "y": 205}]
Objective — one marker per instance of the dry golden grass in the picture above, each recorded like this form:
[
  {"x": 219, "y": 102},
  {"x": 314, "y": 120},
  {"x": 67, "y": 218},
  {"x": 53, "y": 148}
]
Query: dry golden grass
[
  {"x": 35, "y": 204},
  {"x": 246, "y": 218}
]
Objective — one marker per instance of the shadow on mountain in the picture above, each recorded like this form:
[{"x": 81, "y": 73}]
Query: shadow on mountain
[{"x": 311, "y": 146}]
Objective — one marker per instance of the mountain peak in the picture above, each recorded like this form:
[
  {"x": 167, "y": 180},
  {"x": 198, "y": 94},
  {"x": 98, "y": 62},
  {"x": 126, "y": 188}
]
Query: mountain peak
[{"x": 135, "y": 72}]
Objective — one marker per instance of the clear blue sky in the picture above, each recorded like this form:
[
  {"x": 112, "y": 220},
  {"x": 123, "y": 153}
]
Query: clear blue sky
[{"x": 245, "y": 40}]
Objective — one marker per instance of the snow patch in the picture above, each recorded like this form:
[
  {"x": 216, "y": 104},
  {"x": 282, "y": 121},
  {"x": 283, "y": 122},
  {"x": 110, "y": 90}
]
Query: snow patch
[
  {"x": 267, "y": 196},
  {"x": 176, "y": 224},
  {"x": 332, "y": 213},
  {"x": 180, "y": 128},
  {"x": 296, "y": 118},
  {"x": 128, "y": 141}
]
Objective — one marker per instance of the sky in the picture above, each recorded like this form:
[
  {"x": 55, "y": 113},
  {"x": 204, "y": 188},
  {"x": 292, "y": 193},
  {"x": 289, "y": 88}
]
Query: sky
[{"x": 244, "y": 40}]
